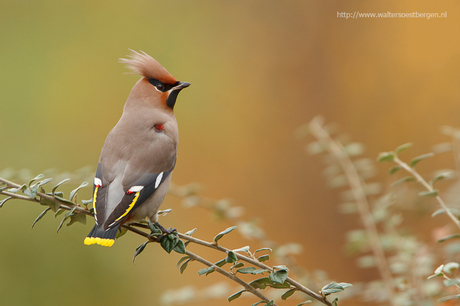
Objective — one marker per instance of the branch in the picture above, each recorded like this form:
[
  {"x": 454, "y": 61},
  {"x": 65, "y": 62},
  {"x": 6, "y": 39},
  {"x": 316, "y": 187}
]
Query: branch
[
  {"x": 78, "y": 209},
  {"x": 422, "y": 181},
  {"x": 357, "y": 188}
]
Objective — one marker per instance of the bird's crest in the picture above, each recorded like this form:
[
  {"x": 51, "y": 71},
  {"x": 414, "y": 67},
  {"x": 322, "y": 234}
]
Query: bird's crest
[{"x": 145, "y": 65}]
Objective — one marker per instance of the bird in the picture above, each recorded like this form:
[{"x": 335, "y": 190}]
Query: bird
[{"x": 139, "y": 154}]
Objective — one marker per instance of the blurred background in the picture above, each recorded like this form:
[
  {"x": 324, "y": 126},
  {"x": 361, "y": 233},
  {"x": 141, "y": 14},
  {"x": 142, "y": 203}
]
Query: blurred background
[{"x": 259, "y": 70}]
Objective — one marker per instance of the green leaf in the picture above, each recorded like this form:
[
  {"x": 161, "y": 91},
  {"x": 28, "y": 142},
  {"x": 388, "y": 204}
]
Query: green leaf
[
  {"x": 221, "y": 234},
  {"x": 190, "y": 233},
  {"x": 81, "y": 218},
  {"x": 394, "y": 169},
  {"x": 279, "y": 276},
  {"x": 40, "y": 216},
  {"x": 451, "y": 282},
  {"x": 221, "y": 262},
  {"x": 60, "y": 224},
  {"x": 403, "y": 180},
  {"x": 288, "y": 293},
  {"x": 181, "y": 260},
  {"x": 139, "y": 250},
  {"x": 15, "y": 190},
  {"x": 335, "y": 301},
  {"x": 53, "y": 191},
  {"x": 231, "y": 257},
  {"x": 206, "y": 271},
  {"x": 164, "y": 212},
  {"x": 442, "y": 176},
  {"x": 45, "y": 181},
  {"x": 247, "y": 270},
  {"x": 386, "y": 157},
  {"x": 35, "y": 179},
  {"x": 31, "y": 192},
  {"x": 58, "y": 212},
  {"x": 261, "y": 283},
  {"x": 449, "y": 237},
  {"x": 450, "y": 267},
  {"x": 4, "y": 200},
  {"x": 416, "y": 160},
  {"x": 168, "y": 243},
  {"x": 334, "y": 287},
  {"x": 64, "y": 200},
  {"x": 432, "y": 193},
  {"x": 237, "y": 265},
  {"x": 184, "y": 265},
  {"x": 235, "y": 295},
  {"x": 309, "y": 301},
  {"x": 243, "y": 249},
  {"x": 263, "y": 249},
  {"x": 450, "y": 297},
  {"x": 263, "y": 258},
  {"x": 403, "y": 147},
  {"x": 121, "y": 231},
  {"x": 180, "y": 247},
  {"x": 73, "y": 193},
  {"x": 259, "y": 302}
]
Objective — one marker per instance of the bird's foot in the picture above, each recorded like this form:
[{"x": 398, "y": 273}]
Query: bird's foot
[{"x": 164, "y": 230}]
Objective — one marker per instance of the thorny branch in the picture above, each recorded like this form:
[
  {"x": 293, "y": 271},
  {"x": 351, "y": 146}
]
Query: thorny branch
[{"x": 78, "y": 209}]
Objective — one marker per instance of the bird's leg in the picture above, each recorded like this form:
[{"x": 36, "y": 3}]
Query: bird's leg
[{"x": 165, "y": 231}]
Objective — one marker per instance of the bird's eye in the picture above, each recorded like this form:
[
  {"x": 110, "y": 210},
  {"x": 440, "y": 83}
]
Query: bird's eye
[{"x": 160, "y": 87}]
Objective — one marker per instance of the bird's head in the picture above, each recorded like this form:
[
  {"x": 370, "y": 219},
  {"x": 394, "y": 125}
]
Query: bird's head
[{"x": 157, "y": 86}]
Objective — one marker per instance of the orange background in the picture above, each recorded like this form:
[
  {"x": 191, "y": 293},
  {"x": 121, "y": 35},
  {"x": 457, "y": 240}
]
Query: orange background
[{"x": 259, "y": 70}]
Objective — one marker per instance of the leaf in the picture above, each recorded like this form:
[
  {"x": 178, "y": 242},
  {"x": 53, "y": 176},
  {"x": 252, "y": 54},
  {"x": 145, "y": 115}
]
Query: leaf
[
  {"x": 180, "y": 247},
  {"x": 168, "y": 243},
  {"x": 181, "y": 260},
  {"x": 81, "y": 218},
  {"x": 4, "y": 200},
  {"x": 449, "y": 237},
  {"x": 334, "y": 287},
  {"x": 450, "y": 297},
  {"x": 40, "y": 216},
  {"x": 184, "y": 265},
  {"x": 243, "y": 249},
  {"x": 416, "y": 160},
  {"x": 450, "y": 267},
  {"x": 139, "y": 250},
  {"x": 53, "y": 191},
  {"x": 309, "y": 301},
  {"x": 190, "y": 232},
  {"x": 121, "y": 231},
  {"x": 206, "y": 271},
  {"x": 60, "y": 224},
  {"x": 288, "y": 293},
  {"x": 164, "y": 212},
  {"x": 442, "y": 176},
  {"x": 237, "y": 265},
  {"x": 263, "y": 249},
  {"x": 261, "y": 283},
  {"x": 235, "y": 295},
  {"x": 263, "y": 258},
  {"x": 247, "y": 270},
  {"x": 73, "y": 193},
  {"x": 403, "y": 147},
  {"x": 35, "y": 179},
  {"x": 221, "y": 234},
  {"x": 15, "y": 190},
  {"x": 432, "y": 193},
  {"x": 386, "y": 157},
  {"x": 31, "y": 192},
  {"x": 231, "y": 257},
  {"x": 403, "y": 180},
  {"x": 451, "y": 282},
  {"x": 279, "y": 276},
  {"x": 45, "y": 181},
  {"x": 221, "y": 262},
  {"x": 394, "y": 169},
  {"x": 64, "y": 200},
  {"x": 334, "y": 302},
  {"x": 58, "y": 212}
]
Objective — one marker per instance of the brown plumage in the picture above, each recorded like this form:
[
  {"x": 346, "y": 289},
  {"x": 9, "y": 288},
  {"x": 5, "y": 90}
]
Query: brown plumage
[{"x": 139, "y": 154}]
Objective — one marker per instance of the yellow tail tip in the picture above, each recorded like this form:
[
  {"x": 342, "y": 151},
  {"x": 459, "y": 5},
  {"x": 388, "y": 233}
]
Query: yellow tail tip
[{"x": 100, "y": 241}]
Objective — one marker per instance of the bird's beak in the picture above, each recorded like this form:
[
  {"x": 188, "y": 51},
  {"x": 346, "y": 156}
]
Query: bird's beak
[{"x": 181, "y": 85}]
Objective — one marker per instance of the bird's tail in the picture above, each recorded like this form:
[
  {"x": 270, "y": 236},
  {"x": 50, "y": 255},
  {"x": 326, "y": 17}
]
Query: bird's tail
[{"x": 99, "y": 236}]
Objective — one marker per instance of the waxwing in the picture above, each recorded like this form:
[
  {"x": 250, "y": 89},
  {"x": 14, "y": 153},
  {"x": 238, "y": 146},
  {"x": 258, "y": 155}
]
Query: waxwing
[{"x": 139, "y": 154}]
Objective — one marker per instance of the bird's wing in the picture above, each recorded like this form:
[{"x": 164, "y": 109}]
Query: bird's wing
[{"x": 139, "y": 191}]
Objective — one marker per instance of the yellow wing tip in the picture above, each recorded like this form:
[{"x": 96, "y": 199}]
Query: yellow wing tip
[{"x": 100, "y": 241}]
